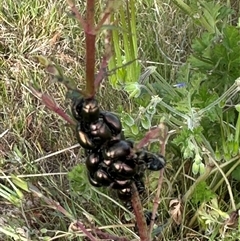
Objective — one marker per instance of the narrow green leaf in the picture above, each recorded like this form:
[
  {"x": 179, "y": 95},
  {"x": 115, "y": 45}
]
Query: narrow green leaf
[{"x": 20, "y": 183}]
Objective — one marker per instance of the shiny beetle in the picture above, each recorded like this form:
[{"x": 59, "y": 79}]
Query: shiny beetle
[
  {"x": 84, "y": 140},
  {"x": 125, "y": 194},
  {"x": 130, "y": 142},
  {"x": 117, "y": 149},
  {"x": 148, "y": 217},
  {"x": 120, "y": 184},
  {"x": 92, "y": 181},
  {"x": 102, "y": 177},
  {"x": 101, "y": 130},
  {"x": 92, "y": 162},
  {"x": 77, "y": 108},
  {"x": 90, "y": 110},
  {"x": 128, "y": 205},
  {"x": 121, "y": 170},
  {"x": 153, "y": 162},
  {"x": 140, "y": 186},
  {"x": 112, "y": 121},
  {"x": 157, "y": 163},
  {"x": 108, "y": 162}
]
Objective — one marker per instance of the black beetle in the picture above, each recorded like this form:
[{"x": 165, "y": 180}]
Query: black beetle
[
  {"x": 128, "y": 205},
  {"x": 140, "y": 186},
  {"x": 153, "y": 162},
  {"x": 83, "y": 139},
  {"x": 117, "y": 149},
  {"x": 90, "y": 110},
  {"x": 102, "y": 177},
  {"x": 112, "y": 121},
  {"x": 156, "y": 163},
  {"x": 121, "y": 170},
  {"x": 125, "y": 194},
  {"x": 77, "y": 108},
  {"x": 101, "y": 130},
  {"x": 108, "y": 162},
  {"x": 92, "y": 162},
  {"x": 120, "y": 184},
  {"x": 92, "y": 181},
  {"x": 148, "y": 217}
]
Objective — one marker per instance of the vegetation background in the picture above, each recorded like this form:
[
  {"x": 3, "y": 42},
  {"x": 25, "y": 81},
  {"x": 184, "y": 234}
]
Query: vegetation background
[{"x": 186, "y": 77}]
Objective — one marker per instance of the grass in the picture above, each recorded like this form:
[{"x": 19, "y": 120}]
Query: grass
[{"x": 41, "y": 148}]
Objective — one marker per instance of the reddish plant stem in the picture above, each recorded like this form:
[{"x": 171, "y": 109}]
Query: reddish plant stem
[
  {"x": 90, "y": 49},
  {"x": 102, "y": 72},
  {"x": 140, "y": 218},
  {"x": 51, "y": 104},
  {"x": 156, "y": 202},
  {"x": 152, "y": 134},
  {"x": 163, "y": 140}
]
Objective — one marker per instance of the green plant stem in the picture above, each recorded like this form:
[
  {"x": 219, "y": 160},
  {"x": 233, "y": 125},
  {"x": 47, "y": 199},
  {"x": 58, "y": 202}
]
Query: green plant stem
[
  {"x": 227, "y": 183},
  {"x": 90, "y": 49}
]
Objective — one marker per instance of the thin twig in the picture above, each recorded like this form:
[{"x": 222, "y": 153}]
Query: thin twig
[
  {"x": 105, "y": 17},
  {"x": 77, "y": 14}
]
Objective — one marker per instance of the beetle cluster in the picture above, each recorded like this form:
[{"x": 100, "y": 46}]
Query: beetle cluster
[{"x": 110, "y": 158}]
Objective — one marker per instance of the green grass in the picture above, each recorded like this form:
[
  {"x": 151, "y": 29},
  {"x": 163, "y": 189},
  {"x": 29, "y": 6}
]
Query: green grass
[{"x": 40, "y": 147}]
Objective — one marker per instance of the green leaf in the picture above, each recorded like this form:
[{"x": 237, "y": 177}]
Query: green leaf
[
  {"x": 146, "y": 121},
  {"x": 20, "y": 183},
  {"x": 237, "y": 107},
  {"x": 202, "y": 193},
  {"x": 78, "y": 179},
  {"x": 134, "y": 129},
  {"x": 151, "y": 110},
  {"x": 236, "y": 173},
  {"x": 127, "y": 119},
  {"x": 133, "y": 89}
]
